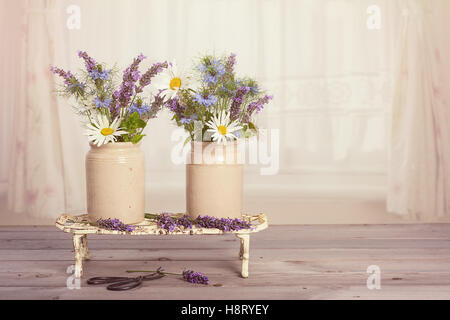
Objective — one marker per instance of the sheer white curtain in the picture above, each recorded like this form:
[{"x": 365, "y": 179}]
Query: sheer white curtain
[
  {"x": 329, "y": 72},
  {"x": 33, "y": 141},
  {"x": 419, "y": 170}
]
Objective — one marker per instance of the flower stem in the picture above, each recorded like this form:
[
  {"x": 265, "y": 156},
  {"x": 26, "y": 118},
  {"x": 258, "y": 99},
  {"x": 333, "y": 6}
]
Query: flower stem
[
  {"x": 162, "y": 272},
  {"x": 151, "y": 216}
]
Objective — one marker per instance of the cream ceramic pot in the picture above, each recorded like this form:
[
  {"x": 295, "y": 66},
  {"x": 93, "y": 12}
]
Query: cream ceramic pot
[
  {"x": 115, "y": 182},
  {"x": 214, "y": 180}
]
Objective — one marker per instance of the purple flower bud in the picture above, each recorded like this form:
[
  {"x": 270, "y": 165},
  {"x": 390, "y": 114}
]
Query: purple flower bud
[
  {"x": 69, "y": 80},
  {"x": 238, "y": 99},
  {"x": 123, "y": 97},
  {"x": 115, "y": 224},
  {"x": 256, "y": 106},
  {"x": 88, "y": 61},
  {"x": 195, "y": 277},
  {"x": 151, "y": 72},
  {"x": 175, "y": 106},
  {"x": 229, "y": 65}
]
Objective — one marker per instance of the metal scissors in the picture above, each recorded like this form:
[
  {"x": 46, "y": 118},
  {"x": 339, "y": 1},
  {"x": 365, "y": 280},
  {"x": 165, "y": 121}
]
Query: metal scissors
[{"x": 124, "y": 283}]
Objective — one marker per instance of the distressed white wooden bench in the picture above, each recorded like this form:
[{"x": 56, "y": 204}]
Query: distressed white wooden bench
[{"x": 80, "y": 228}]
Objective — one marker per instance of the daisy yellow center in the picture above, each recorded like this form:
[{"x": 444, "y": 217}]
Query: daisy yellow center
[
  {"x": 107, "y": 131},
  {"x": 175, "y": 83},
  {"x": 222, "y": 130}
]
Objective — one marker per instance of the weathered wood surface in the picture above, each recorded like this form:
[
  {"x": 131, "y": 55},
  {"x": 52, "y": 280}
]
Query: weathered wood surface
[{"x": 286, "y": 262}]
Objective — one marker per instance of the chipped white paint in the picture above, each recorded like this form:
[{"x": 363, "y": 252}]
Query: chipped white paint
[
  {"x": 244, "y": 252},
  {"x": 79, "y": 226}
]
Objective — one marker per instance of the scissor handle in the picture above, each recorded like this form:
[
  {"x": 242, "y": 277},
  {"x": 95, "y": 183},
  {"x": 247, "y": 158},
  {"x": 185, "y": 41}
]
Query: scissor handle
[
  {"x": 124, "y": 283},
  {"x": 103, "y": 280},
  {"x": 128, "y": 284}
]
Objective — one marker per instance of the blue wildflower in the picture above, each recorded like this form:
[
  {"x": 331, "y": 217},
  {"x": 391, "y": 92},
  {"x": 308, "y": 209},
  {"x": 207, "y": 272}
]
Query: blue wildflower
[
  {"x": 222, "y": 90},
  {"x": 207, "y": 101},
  {"x": 75, "y": 87},
  {"x": 144, "y": 108},
  {"x": 188, "y": 120},
  {"x": 211, "y": 71},
  {"x": 210, "y": 79},
  {"x": 254, "y": 90},
  {"x": 102, "y": 103},
  {"x": 202, "y": 67},
  {"x": 185, "y": 120},
  {"x": 102, "y": 75},
  {"x": 218, "y": 67}
]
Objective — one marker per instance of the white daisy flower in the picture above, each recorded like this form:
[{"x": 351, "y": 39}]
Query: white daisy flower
[
  {"x": 222, "y": 128},
  {"x": 171, "y": 80},
  {"x": 100, "y": 131}
]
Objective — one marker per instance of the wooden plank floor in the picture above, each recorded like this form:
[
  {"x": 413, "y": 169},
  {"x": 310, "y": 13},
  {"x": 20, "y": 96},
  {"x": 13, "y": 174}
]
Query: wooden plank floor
[{"x": 286, "y": 262}]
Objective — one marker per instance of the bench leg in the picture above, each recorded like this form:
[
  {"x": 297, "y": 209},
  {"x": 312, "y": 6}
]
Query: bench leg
[
  {"x": 244, "y": 252},
  {"x": 78, "y": 251},
  {"x": 241, "y": 249},
  {"x": 85, "y": 250}
]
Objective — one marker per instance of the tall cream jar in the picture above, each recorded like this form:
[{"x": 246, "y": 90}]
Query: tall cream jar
[
  {"x": 115, "y": 182},
  {"x": 214, "y": 180}
]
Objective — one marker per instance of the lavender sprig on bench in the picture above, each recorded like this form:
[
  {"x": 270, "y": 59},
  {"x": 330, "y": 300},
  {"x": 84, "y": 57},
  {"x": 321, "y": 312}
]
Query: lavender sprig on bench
[
  {"x": 115, "y": 224},
  {"x": 170, "y": 222}
]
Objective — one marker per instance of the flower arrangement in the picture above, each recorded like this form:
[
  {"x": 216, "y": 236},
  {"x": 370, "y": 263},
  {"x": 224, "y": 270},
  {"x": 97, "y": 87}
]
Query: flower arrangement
[
  {"x": 110, "y": 113},
  {"x": 213, "y": 99}
]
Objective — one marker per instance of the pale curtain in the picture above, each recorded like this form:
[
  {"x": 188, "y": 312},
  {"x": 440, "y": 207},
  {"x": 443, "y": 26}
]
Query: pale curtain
[
  {"x": 331, "y": 76},
  {"x": 419, "y": 166},
  {"x": 35, "y": 170}
]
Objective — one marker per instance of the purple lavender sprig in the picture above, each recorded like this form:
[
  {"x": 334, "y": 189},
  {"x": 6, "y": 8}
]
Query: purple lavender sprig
[
  {"x": 67, "y": 76},
  {"x": 224, "y": 224},
  {"x": 176, "y": 107},
  {"x": 95, "y": 70},
  {"x": 72, "y": 84},
  {"x": 122, "y": 97},
  {"x": 115, "y": 224},
  {"x": 151, "y": 72},
  {"x": 238, "y": 99},
  {"x": 195, "y": 277},
  {"x": 90, "y": 63},
  {"x": 165, "y": 221},
  {"x": 256, "y": 107},
  {"x": 229, "y": 64},
  {"x": 188, "y": 275},
  {"x": 169, "y": 222},
  {"x": 185, "y": 221},
  {"x": 156, "y": 105}
]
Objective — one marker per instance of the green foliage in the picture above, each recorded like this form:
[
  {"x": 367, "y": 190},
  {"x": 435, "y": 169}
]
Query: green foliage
[{"x": 134, "y": 125}]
